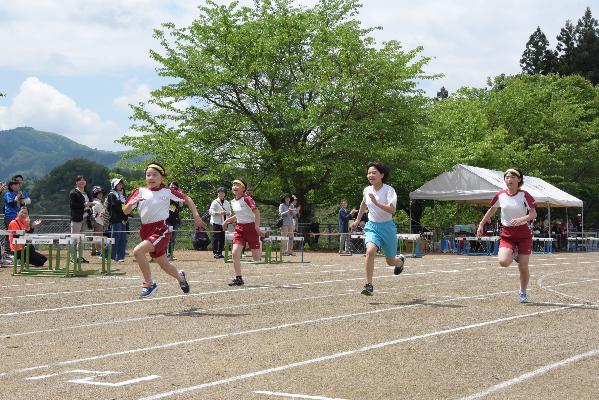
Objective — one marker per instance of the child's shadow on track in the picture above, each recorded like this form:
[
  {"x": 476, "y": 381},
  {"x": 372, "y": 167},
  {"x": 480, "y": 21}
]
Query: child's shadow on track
[
  {"x": 573, "y": 306},
  {"x": 197, "y": 312},
  {"x": 415, "y": 302}
]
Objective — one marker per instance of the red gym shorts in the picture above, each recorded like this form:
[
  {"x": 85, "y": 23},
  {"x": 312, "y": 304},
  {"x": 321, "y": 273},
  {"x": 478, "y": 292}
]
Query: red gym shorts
[
  {"x": 157, "y": 233},
  {"x": 246, "y": 233},
  {"x": 517, "y": 237}
]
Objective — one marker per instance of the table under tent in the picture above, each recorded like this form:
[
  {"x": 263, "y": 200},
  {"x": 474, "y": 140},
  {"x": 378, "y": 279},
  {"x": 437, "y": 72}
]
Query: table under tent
[{"x": 477, "y": 186}]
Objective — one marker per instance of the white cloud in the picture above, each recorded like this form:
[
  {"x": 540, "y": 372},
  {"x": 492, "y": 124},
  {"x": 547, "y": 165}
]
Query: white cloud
[
  {"x": 71, "y": 37},
  {"x": 43, "y": 107}
]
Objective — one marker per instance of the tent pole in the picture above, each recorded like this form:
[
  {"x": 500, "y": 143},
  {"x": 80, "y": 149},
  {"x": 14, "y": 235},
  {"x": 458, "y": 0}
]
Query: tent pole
[
  {"x": 582, "y": 220},
  {"x": 567, "y": 224},
  {"x": 549, "y": 217},
  {"x": 410, "y": 222}
]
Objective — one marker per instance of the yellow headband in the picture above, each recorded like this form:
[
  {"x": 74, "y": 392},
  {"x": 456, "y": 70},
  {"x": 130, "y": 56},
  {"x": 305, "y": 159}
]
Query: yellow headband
[
  {"x": 157, "y": 168},
  {"x": 237, "y": 181},
  {"x": 512, "y": 171}
]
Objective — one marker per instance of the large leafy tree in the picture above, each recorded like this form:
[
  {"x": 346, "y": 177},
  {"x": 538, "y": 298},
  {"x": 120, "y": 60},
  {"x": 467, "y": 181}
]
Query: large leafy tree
[
  {"x": 586, "y": 56},
  {"x": 538, "y": 58},
  {"x": 292, "y": 98}
]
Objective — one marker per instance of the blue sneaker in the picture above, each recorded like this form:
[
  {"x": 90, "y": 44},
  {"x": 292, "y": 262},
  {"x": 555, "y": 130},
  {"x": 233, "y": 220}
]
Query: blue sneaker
[
  {"x": 148, "y": 291},
  {"x": 523, "y": 297}
]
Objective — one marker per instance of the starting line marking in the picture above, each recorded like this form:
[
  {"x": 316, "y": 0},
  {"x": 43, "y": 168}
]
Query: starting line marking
[
  {"x": 95, "y": 374},
  {"x": 295, "y": 396},
  {"x": 531, "y": 374}
]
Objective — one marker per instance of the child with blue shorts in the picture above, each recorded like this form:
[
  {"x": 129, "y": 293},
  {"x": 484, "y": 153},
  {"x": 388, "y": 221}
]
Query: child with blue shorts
[{"x": 380, "y": 232}]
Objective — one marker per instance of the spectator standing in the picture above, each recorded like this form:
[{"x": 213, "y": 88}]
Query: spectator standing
[
  {"x": 117, "y": 223},
  {"x": 14, "y": 199},
  {"x": 98, "y": 213},
  {"x": 287, "y": 213},
  {"x": 80, "y": 204},
  {"x": 220, "y": 209},
  {"x": 343, "y": 221},
  {"x": 173, "y": 221},
  {"x": 21, "y": 222}
]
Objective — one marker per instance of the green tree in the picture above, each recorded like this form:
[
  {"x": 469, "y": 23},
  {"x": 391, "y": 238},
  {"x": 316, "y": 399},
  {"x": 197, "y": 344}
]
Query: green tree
[
  {"x": 566, "y": 49},
  {"x": 586, "y": 56},
  {"x": 292, "y": 98},
  {"x": 537, "y": 58}
]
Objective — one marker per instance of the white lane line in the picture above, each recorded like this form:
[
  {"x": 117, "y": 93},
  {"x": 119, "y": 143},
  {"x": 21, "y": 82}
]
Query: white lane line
[
  {"x": 122, "y": 302},
  {"x": 531, "y": 374},
  {"x": 317, "y": 360},
  {"x": 295, "y": 395},
  {"x": 251, "y": 331},
  {"x": 349, "y": 292}
]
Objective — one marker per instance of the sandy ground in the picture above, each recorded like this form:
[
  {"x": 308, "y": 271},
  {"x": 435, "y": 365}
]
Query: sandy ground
[{"x": 449, "y": 327}]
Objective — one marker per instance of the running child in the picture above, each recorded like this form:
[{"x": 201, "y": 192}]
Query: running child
[
  {"x": 518, "y": 207},
  {"x": 247, "y": 230},
  {"x": 153, "y": 202},
  {"x": 380, "y": 230}
]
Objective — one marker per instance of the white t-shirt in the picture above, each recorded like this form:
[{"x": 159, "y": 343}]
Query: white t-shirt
[
  {"x": 216, "y": 206},
  {"x": 385, "y": 195},
  {"x": 513, "y": 206},
  {"x": 243, "y": 209},
  {"x": 156, "y": 202}
]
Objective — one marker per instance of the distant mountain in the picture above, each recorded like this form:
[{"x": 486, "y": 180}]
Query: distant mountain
[{"x": 34, "y": 153}]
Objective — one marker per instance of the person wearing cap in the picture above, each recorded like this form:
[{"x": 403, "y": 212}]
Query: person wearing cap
[
  {"x": 219, "y": 210},
  {"x": 247, "y": 229},
  {"x": 287, "y": 213},
  {"x": 14, "y": 199},
  {"x": 518, "y": 208},
  {"x": 117, "y": 222},
  {"x": 98, "y": 212}
]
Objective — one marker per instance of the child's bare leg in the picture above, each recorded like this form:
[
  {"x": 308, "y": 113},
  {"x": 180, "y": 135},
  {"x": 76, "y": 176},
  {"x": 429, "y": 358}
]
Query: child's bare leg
[
  {"x": 371, "y": 250},
  {"x": 236, "y": 254},
  {"x": 139, "y": 252},
  {"x": 168, "y": 267}
]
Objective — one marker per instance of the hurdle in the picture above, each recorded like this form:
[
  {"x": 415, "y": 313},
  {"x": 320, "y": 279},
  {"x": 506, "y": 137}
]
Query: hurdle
[
  {"x": 487, "y": 240},
  {"x": 409, "y": 237},
  {"x": 271, "y": 245},
  {"x": 547, "y": 245},
  {"x": 74, "y": 244}
]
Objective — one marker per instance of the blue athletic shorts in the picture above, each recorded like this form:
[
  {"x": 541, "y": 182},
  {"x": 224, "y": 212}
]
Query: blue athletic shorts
[{"x": 384, "y": 235}]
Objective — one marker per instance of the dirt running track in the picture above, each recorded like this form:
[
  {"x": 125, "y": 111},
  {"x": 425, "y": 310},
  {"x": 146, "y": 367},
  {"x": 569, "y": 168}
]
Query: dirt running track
[{"x": 449, "y": 327}]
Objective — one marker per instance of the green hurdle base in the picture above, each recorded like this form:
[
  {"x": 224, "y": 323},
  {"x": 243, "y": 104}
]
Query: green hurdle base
[{"x": 268, "y": 251}]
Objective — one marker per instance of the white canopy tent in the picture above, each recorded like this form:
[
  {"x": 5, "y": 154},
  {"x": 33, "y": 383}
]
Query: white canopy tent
[{"x": 477, "y": 186}]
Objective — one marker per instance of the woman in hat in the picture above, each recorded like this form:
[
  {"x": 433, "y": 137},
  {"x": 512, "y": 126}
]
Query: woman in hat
[
  {"x": 117, "y": 223},
  {"x": 518, "y": 208}
]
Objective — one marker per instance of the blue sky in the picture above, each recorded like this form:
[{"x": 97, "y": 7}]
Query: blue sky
[{"x": 72, "y": 67}]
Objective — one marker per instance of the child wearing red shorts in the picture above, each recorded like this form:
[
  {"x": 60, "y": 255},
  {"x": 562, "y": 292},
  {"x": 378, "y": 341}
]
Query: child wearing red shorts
[
  {"x": 247, "y": 230},
  {"x": 153, "y": 202},
  {"x": 518, "y": 208}
]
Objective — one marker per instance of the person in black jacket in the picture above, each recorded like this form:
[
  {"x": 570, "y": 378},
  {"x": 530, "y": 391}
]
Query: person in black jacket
[
  {"x": 80, "y": 204},
  {"x": 118, "y": 219}
]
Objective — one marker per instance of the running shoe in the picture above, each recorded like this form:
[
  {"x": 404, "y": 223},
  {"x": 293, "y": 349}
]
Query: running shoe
[
  {"x": 523, "y": 297},
  {"x": 183, "y": 284},
  {"x": 368, "y": 290},
  {"x": 399, "y": 267},
  {"x": 148, "y": 291},
  {"x": 237, "y": 281}
]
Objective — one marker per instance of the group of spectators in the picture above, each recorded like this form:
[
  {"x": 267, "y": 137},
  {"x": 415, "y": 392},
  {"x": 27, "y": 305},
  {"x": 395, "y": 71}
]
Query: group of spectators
[{"x": 16, "y": 218}]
